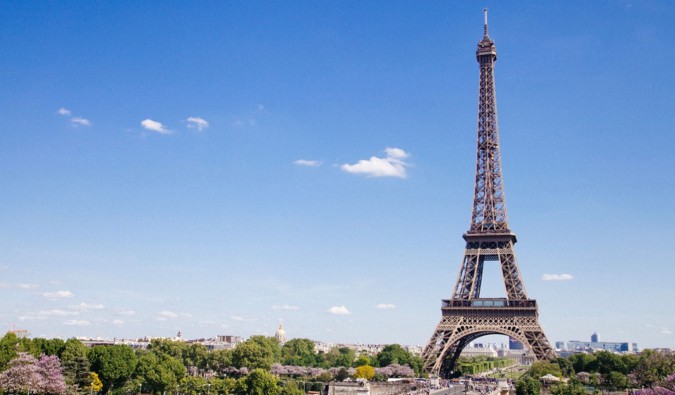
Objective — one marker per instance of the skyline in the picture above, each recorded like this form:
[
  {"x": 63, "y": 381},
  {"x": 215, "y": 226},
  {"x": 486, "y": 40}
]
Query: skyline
[{"x": 217, "y": 169}]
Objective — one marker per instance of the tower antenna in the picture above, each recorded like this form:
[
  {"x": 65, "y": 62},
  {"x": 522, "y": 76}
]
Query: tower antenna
[{"x": 485, "y": 26}]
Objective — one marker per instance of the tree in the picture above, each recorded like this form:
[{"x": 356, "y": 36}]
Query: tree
[
  {"x": 48, "y": 346},
  {"x": 392, "y": 354},
  {"x": 364, "y": 372},
  {"x": 113, "y": 364},
  {"x": 219, "y": 360},
  {"x": 299, "y": 352},
  {"x": 568, "y": 389},
  {"x": 528, "y": 386},
  {"x": 159, "y": 372},
  {"x": 8, "y": 348},
  {"x": 258, "y": 352},
  {"x": 291, "y": 388},
  {"x": 566, "y": 367},
  {"x": 258, "y": 382},
  {"x": 22, "y": 375},
  {"x": 362, "y": 360},
  {"x": 95, "y": 383},
  {"x": 52, "y": 376},
  {"x": 583, "y": 362},
  {"x": 542, "y": 368},
  {"x": 340, "y": 356},
  {"x": 616, "y": 381},
  {"x": 342, "y": 375}
]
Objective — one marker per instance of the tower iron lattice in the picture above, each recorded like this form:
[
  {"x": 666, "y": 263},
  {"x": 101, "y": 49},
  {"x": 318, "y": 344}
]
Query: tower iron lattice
[{"x": 467, "y": 316}]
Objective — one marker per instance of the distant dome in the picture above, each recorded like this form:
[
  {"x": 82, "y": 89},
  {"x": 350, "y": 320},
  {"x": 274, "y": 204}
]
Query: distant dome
[{"x": 281, "y": 334}]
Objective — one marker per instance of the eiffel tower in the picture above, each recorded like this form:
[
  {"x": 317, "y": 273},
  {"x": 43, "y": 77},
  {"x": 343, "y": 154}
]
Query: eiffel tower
[{"x": 467, "y": 316}]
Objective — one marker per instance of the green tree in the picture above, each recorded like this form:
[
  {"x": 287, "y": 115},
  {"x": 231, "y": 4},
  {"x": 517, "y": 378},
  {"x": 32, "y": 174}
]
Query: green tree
[
  {"x": 566, "y": 367},
  {"x": 340, "y": 356},
  {"x": 391, "y": 354},
  {"x": 258, "y": 382},
  {"x": 364, "y": 372},
  {"x": 568, "y": 389},
  {"x": 362, "y": 360},
  {"x": 616, "y": 381},
  {"x": 258, "y": 352},
  {"x": 291, "y": 388},
  {"x": 583, "y": 362},
  {"x": 113, "y": 364},
  {"x": 528, "y": 386},
  {"x": 299, "y": 352},
  {"x": 48, "y": 346},
  {"x": 542, "y": 368},
  {"x": 609, "y": 362},
  {"x": 76, "y": 366},
  {"x": 159, "y": 372},
  {"x": 219, "y": 359},
  {"x": 342, "y": 375}
]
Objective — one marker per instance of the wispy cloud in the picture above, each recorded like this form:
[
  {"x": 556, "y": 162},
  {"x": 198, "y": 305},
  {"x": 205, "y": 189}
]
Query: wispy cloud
[
  {"x": 666, "y": 331},
  {"x": 58, "y": 294},
  {"x": 392, "y": 165},
  {"x": 75, "y": 121},
  {"x": 155, "y": 126},
  {"x": 557, "y": 277},
  {"x": 27, "y": 286},
  {"x": 125, "y": 312},
  {"x": 285, "y": 307},
  {"x": 197, "y": 123},
  {"x": 80, "y": 121},
  {"x": 385, "y": 306},
  {"x": 167, "y": 315},
  {"x": 242, "y": 319},
  {"x": 307, "y": 163},
  {"x": 87, "y": 307},
  {"x": 118, "y": 322},
  {"x": 77, "y": 323},
  {"x": 339, "y": 310},
  {"x": 57, "y": 313}
]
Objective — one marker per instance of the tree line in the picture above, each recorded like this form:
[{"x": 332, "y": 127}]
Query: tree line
[
  {"x": 650, "y": 373},
  {"x": 258, "y": 365}
]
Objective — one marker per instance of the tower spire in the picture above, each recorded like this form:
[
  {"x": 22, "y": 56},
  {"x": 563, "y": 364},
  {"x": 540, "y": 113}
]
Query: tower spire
[{"x": 485, "y": 24}]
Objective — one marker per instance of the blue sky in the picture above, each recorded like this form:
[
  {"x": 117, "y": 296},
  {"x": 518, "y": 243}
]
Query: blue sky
[{"x": 217, "y": 167}]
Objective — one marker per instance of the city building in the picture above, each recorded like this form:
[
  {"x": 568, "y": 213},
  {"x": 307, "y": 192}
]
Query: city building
[{"x": 596, "y": 344}]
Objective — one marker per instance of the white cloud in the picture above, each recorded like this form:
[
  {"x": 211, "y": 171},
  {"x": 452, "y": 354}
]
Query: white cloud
[
  {"x": 339, "y": 310},
  {"x": 118, "y": 322},
  {"x": 26, "y": 286},
  {"x": 666, "y": 331},
  {"x": 58, "y": 313},
  {"x": 197, "y": 123},
  {"x": 392, "y": 165},
  {"x": 238, "y": 318},
  {"x": 385, "y": 306},
  {"x": 155, "y": 126},
  {"x": 31, "y": 317},
  {"x": 307, "y": 163},
  {"x": 58, "y": 294},
  {"x": 87, "y": 307},
  {"x": 557, "y": 277},
  {"x": 170, "y": 315},
  {"x": 285, "y": 307},
  {"x": 80, "y": 121},
  {"x": 63, "y": 111},
  {"x": 125, "y": 312},
  {"x": 166, "y": 315},
  {"x": 77, "y": 323}
]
